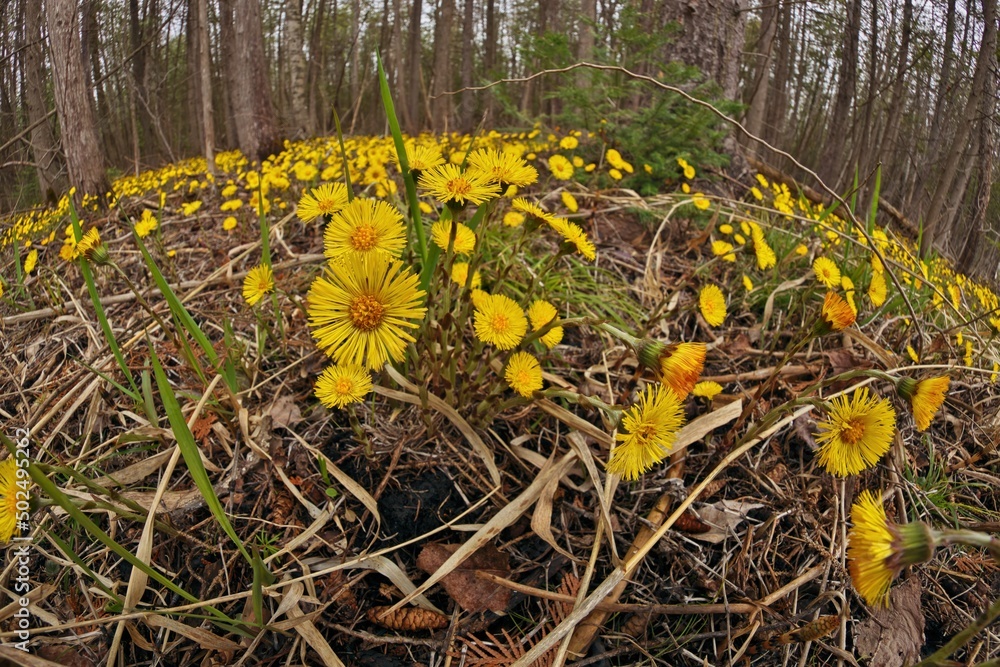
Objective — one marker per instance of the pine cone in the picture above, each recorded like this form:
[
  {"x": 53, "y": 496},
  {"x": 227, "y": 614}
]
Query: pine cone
[{"x": 407, "y": 619}]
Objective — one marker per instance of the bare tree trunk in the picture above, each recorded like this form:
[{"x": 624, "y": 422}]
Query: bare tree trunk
[
  {"x": 299, "y": 115},
  {"x": 43, "y": 142},
  {"x": 441, "y": 116},
  {"x": 205, "y": 88},
  {"x": 777, "y": 102},
  {"x": 354, "y": 75},
  {"x": 892, "y": 119},
  {"x": 468, "y": 108},
  {"x": 256, "y": 127},
  {"x": 970, "y": 119},
  {"x": 84, "y": 159},
  {"x": 757, "y": 104},
  {"x": 315, "y": 69},
  {"x": 585, "y": 52},
  {"x": 411, "y": 110},
  {"x": 490, "y": 56},
  {"x": 711, "y": 38},
  {"x": 847, "y": 81}
]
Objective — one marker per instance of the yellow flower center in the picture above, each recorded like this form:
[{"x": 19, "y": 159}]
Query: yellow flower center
[
  {"x": 459, "y": 187},
  {"x": 364, "y": 238},
  {"x": 326, "y": 206},
  {"x": 344, "y": 386},
  {"x": 263, "y": 286},
  {"x": 500, "y": 323},
  {"x": 366, "y": 312},
  {"x": 853, "y": 432}
]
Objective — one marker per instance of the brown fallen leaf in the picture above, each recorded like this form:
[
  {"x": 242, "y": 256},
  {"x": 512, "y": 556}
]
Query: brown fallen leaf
[
  {"x": 407, "y": 619},
  {"x": 285, "y": 412},
  {"x": 470, "y": 592},
  {"x": 893, "y": 637}
]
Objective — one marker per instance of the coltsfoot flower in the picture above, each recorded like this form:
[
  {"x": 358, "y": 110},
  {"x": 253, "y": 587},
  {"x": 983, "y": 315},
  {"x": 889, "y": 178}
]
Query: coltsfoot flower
[
  {"x": 713, "y": 305},
  {"x": 926, "y": 397},
  {"x": 499, "y": 321},
  {"x": 523, "y": 374},
  {"x": 649, "y": 430},
  {"x": 857, "y": 433},
  {"x": 465, "y": 238},
  {"x": 259, "y": 281},
  {"x": 827, "y": 272},
  {"x": 678, "y": 365},
  {"x": 540, "y": 313},
  {"x": 323, "y": 202},
  {"x": 342, "y": 384}
]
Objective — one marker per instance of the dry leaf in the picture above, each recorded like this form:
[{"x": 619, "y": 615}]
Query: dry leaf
[
  {"x": 407, "y": 619},
  {"x": 472, "y": 593},
  {"x": 203, "y": 426},
  {"x": 722, "y": 518},
  {"x": 893, "y": 637},
  {"x": 284, "y": 412}
]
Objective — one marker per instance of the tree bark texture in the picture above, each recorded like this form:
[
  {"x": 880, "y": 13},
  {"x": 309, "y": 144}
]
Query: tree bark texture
[
  {"x": 253, "y": 112},
  {"x": 78, "y": 129},
  {"x": 44, "y": 148}
]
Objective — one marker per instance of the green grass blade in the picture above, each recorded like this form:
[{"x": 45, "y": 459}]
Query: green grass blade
[
  {"x": 177, "y": 308},
  {"x": 52, "y": 491},
  {"x": 404, "y": 166},
  {"x": 102, "y": 318},
  {"x": 261, "y": 578},
  {"x": 192, "y": 457},
  {"x": 873, "y": 211},
  {"x": 343, "y": 156}
]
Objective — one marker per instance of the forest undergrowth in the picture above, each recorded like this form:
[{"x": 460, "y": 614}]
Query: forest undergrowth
[{"x": 474, "y": 400}]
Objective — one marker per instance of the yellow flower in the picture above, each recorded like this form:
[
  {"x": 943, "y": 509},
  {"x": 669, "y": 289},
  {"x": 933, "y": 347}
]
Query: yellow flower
[
  {"x": 513, "y": 218},
  {"x": 503, "y": 168},
  {"x": 360, "y": 308},
  {"x": 757, "y": 194},
  {"x": 615, "y": 174},
  {"x": 229, "y": 224},
  {"x": 541, "y": 313},
  {"x": 827, "y": 272},
  {"x": 878, "y": 549},
  {"x": 465, "y": 238},
  {"x": 677, "y": 365},
  {"x": 700, "y": 201},
  {"x": 926, "y": 397},
  {"x": 713, "y": 305},
  {"x": 688, "y": 172},
  {"x": 856, "y": 434},
  {"x": 912, "y": 354},
  {"x": 956, "y": 296},
  {"x": 747, "y": 283},
  {"x": 420, "y": 157},
  {"x": 523, "y": 374},
  {"x": 568, "y": 143},
  {"x": 479, "y": 298},
  {"x": 500, "y": 321},
  {"x": 365, "y": 226},
  {"x": 259, "y": 281},
  {"x": 995, "y": 373},
  {"x": 342, "y": 384},
  {"x": 9, "y": 490},
  {"x": 725, "y": 228},
  {"x": 877, "y": 289},
  {"x": 229, "y": 191},
  {"x": 762, "y": 181},
  {"x": 450, "y": 185},
  {"x": 530, "y": 210},
  {"x": 460, "y": 274},
  {"x": 231, "y": 205},
  {"x": 560, "y": 167},
  {"x": 90, "y": 245},
  {"x": 1, "y": 288},
  {"x": 837, "y": 314},
  {"x": 146, "y": 224},
  {"x": 650, "y": 427},
  {"x": 968, "y": 353},
  {"x": 191, "y": 207},
  {"x": 765, "y": 255},
  {"x": 31, "y": 261},
  {"x": 707, "y": 389},
  {"x": 569, "y": 201},
  {"x": 615, "y": 159},
  {"x": 323, "y": 201},
  {"x": 802, "y": 250},
  {"x": 574, "y": 235},
  {"x": 723, "y": 250}
]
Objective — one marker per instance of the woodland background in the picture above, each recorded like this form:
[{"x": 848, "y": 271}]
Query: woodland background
[{"x": 94, "y": 88}]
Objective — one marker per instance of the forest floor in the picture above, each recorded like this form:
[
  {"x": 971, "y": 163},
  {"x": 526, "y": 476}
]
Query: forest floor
[{"x": 348, "y": 512}]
